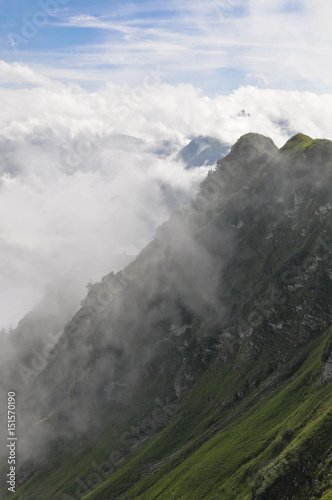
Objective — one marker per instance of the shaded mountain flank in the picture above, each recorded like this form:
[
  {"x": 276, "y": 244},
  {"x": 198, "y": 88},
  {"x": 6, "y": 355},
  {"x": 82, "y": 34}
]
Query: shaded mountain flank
[{"x": 203, "y": 369}]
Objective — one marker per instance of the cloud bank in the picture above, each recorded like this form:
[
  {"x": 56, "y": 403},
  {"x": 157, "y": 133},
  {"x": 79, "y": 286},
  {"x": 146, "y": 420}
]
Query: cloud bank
[{"x": 75, "y": 190}]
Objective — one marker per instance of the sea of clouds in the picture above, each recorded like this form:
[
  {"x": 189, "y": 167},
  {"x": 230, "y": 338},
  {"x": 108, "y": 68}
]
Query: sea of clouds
[{"x": 76, "y": 193}]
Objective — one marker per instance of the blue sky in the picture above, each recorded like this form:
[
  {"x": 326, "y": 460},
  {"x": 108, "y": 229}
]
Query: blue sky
[{"x": 215, "y": 45}]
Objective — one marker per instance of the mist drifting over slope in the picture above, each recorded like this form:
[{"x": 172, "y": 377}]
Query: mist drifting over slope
[
  {"x": 197, "y": 299},
  {"x": 75, "y": 193}
]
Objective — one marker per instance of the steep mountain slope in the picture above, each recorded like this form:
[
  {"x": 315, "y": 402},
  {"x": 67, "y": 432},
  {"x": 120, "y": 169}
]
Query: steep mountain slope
[{"x": 203, "y": 369}]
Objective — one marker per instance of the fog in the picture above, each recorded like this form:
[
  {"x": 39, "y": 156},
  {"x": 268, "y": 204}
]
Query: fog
[{"x": 77, "y": 199}]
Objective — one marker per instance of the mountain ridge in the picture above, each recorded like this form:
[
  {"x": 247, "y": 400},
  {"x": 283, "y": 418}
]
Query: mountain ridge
[{"x": 221, "y": 325}]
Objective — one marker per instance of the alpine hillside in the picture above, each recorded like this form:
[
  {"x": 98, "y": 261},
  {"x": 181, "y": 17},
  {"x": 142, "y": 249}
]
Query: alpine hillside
[{"x": 202, "y": 370}]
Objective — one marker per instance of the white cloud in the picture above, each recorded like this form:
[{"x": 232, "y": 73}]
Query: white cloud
[
  {"x": 88, "y": 21},
  {"x": 74, "y": 199},
  {"x": 19, "y": 73}
]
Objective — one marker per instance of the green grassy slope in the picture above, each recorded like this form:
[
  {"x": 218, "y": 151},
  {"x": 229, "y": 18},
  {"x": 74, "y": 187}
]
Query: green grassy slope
[
  {"x": 250, "y": 419},
  {"x": 269, "y": 445},
  {"x": 279, "y": 435}
]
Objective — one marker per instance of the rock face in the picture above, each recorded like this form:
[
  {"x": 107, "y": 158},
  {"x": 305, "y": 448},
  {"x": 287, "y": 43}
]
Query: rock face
[
  {"x": 201, "y": 364},
  {"x": 327, "y": 372}
]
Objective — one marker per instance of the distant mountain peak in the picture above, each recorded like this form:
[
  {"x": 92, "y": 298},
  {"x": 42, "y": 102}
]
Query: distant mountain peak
[{"x": 203, "y": 150}]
